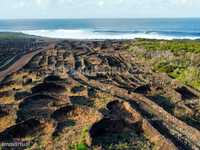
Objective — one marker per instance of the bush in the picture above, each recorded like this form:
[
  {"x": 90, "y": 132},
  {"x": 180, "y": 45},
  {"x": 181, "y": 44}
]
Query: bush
[
  {"x": 175, "y": 46},
  {"x": 80, "y": 146}
]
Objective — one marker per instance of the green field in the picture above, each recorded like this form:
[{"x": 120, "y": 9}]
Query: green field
[{"x": 12, "y": 36}]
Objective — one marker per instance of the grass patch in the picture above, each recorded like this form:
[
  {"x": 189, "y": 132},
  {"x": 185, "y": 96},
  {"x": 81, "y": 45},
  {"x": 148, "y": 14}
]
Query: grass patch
[
  {"x": 82, "y": 141},
  {"x": 102, "y": 99},
  {"x": 13, "y": 36},
  {"x": 173, "y": 45}
]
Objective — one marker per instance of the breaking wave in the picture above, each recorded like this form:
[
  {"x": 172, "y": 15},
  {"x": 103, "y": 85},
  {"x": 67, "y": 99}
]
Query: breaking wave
[{"x": 109, "y": 34}]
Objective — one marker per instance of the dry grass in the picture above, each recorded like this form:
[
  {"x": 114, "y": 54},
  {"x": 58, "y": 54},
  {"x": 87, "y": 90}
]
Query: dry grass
[
  {"x": 7, "y": 121},
  {"x": 44, "y": 140},
  {"x": 11, "y": 87},
  {"x": 7, "y": 100},
  {"x": 102, "y": 99}
]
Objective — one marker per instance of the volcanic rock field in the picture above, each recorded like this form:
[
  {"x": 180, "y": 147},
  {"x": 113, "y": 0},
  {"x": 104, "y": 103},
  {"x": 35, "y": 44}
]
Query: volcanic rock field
[{"x": 96, "y": 95}]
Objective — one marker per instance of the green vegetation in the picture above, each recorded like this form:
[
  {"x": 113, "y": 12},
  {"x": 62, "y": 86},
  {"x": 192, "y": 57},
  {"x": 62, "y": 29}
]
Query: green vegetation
[
  {"x": 180, "y": 59},
  {"x": 173, "y": 45},
  {"x": 189, "y": 75},
  {"x": 81, "y": 145},
  {"x": 12, "y": 36}
]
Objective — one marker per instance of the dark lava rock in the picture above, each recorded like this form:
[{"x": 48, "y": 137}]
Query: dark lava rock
[
  {"x": 79, "y": 100},
  {"x": 27, "y": 81},
  {"x": 107, "y": 125},
  {"x": 112, "y": 61},
  {"x": 49, "y": 87},
  {"x": 61, "y": 125},
  {"x": 92, "y": 92},
  {"x": 186, "y": 93},
  {"x": 20, "y": 130},
  {"x": 35, "y": 99},
  {"x": 53, "y": 78},
  {"x": 56, "y": 79},
  {"x": 21, "y": 95},
  {"x": 61, "y": 114},
  {"x": 3, "y": 113},
  {"x": 78, "y": 89},
  {"x": 51, "y": 60},
  {"x": 112, "y": 105},
  {"x": 38, "y": 106},
  {"x": 145, "y": 89}
]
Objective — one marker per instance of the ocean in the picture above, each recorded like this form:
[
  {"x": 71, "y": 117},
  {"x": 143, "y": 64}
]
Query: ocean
[{"x": 106, "y": 28}]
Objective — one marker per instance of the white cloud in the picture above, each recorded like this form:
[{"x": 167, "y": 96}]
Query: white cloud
[
  {"x": 42, "y": 3},
  {"x": 101, "y": 3},
  {"x": 183, "y": 2},
  {"x": 20, "y": 4},
  {"x": 109, "y": 8}
]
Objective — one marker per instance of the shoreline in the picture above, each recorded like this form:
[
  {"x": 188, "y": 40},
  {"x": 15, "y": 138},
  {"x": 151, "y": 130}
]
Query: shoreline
[{"x": 92, "y": 36}]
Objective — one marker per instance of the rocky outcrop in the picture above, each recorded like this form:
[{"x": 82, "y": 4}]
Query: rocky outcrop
[{"x": 21, "y": 130}]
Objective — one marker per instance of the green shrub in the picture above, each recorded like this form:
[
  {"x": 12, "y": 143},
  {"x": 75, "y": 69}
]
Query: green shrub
[
  {"x": 173, "y": 45},
  {"x": 80, "y": 146}
]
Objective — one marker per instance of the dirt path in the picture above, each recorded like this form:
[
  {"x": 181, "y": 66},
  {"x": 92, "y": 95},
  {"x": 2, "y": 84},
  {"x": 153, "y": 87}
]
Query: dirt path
[{"x": 20, "y": 63}]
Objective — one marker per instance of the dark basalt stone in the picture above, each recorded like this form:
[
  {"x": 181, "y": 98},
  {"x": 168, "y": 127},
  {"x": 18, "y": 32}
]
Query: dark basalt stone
[
  {"x": 61, "y": 114},
  {"x": 92, "y": 92},
  {"x": 38, "y": 106},
  {"x": 113, "y": 104},
  {"x": 51, "y": 60},
  {"x": 27, "y": 81},
  {"x": 61, "y": 125},
  {"x": 79, "y": 100},
  {"x": 145, "y": 89},
  {"x": 112, "y": 61},
  {"x": 21, "y": 95},
  {"x": 35, "y": 99},
  {"x": 52, "y": 78},
  {"x": 107, "y": 125},
  {"x": 78, "y": 89},
  {"x": 20, "y": 130},
  {"x": 49, "y": 87},
  {"x": 78, "y": 63},
  {"x": 186, "y": 93},
  {"x": 3, "y": 113}
]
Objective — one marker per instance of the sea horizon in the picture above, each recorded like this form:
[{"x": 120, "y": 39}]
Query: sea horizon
[{"x": 106, "y": 28}]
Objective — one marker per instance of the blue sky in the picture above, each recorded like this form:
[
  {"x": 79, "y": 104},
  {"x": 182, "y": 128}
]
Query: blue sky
[{"x": 98, "y": 8}]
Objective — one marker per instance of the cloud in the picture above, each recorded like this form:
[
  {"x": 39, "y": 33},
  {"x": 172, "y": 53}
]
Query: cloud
[
  {"x": 42, "y": 3},
  {"x": 20, "y": 4},
  {"x": 183, "y": 2},
  {"x": 90, "y": 8},
  {"x": 101, "y": 3}
]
